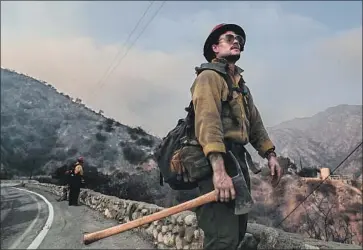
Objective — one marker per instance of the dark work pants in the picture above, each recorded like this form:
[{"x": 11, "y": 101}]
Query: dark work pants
[
  {"x": 73, "y": 195},
  {"x": 222, "y": 228}
]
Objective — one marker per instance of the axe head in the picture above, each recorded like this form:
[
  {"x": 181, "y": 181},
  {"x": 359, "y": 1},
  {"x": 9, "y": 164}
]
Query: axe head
[{"x": 243, "y": 201}]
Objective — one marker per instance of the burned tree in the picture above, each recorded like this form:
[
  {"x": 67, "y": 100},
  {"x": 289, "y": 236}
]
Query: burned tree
[{"x": 323, "y": 220}]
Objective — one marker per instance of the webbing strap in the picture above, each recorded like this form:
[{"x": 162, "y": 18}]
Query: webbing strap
[
  {"x": 229, "y": 82},
  {"x": 245, "y": 96}
]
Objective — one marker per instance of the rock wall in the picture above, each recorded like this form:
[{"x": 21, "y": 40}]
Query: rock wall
[{"x": 181, "y": 231}]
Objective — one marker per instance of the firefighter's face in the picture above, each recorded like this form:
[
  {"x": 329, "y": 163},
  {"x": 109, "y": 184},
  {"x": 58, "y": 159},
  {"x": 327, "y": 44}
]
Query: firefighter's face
[{"x": 229, "y": 44}]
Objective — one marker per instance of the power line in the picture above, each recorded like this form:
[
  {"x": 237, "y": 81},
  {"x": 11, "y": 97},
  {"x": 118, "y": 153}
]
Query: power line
[
  {"x": 360, "y": 144},
  {"x": 131, "y": 45},
  {"x": 128, "y": 38}
]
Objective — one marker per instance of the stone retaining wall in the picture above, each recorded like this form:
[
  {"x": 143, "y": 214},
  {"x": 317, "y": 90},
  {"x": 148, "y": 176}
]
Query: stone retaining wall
[{"x": 181, "y": 231}]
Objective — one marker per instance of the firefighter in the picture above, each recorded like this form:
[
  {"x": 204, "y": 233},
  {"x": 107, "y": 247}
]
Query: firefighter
[{"x": 75, "y": 182}]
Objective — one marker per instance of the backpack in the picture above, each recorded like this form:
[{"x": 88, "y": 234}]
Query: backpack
[{"x": 182, "y": 139}]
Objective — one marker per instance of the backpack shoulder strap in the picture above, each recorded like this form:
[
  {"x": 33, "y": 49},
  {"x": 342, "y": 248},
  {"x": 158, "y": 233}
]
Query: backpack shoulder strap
[
  {"x": 243, "y": 87},
  {"x": 246, "y": 95},
  {"x": 221, "y": 69},
  {"x": 229, "y": 82}
]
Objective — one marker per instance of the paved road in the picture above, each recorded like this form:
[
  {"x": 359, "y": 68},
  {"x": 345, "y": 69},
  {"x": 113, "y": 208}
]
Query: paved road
[
  {"x": 21, "y": 209},
  {"x": 23, "y": 216}
]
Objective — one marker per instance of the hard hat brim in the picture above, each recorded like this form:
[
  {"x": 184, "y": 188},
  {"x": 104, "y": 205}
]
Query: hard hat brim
[{"x": 214, "y": 36}]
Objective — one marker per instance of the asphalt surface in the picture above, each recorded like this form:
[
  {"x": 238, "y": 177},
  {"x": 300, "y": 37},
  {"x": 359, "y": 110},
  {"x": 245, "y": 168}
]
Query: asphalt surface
[{"x": 24, "y": 215}]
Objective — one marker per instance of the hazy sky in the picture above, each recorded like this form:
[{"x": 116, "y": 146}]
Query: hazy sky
[{"x": 300, "y": 57}]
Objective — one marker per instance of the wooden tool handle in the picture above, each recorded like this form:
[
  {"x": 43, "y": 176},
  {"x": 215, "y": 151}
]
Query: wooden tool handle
[{"x": 92, "y": 237}]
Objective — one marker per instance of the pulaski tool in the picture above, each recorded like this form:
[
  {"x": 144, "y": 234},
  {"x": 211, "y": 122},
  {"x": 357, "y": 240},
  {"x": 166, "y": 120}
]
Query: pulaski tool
[{"x": 243, "y": 204}]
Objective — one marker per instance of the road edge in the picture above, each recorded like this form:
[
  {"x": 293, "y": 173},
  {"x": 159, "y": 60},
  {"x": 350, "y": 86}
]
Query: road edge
[{"x": 40, "y": 237}]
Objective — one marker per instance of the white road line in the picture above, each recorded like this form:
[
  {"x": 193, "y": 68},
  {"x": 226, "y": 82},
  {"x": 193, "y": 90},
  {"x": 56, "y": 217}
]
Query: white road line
[
  {"x": 40, "y": 237},
  {"x": 30, "y": 227}
]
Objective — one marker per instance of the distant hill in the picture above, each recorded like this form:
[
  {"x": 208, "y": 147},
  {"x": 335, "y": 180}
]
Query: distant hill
[{"x": 322, "y": 140}]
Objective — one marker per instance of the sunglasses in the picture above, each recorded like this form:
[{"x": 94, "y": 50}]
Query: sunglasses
[{"x": 229, "y": 38}]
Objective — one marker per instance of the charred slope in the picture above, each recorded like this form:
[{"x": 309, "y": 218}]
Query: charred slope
[{"x": 42, "y": 129}]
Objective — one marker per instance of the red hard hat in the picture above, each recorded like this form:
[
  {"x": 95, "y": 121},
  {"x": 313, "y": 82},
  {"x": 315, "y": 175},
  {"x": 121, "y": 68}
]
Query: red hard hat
[
  {"x": 80, "y": 159},
  {"x": 216, "y": 33}
]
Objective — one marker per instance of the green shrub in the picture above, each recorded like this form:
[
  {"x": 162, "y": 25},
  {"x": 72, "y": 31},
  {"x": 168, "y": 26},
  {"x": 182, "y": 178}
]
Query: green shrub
[
  {"x": 100, "y": 127},
  {"x": 100, "y": 137},
  {"x": 134, "y": 136},
  {"x": 109, "y": 125},
  {"x": 109, "y": 121},
  {"x": 133, "y": 155},
  {"x": 109, "y": 129},
  {"x": 137, "y": 131},
  {"x": 145, "y": 142}
]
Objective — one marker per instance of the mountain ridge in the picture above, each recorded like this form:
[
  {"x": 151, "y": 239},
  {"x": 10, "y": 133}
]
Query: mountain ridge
[{"x": 320, "y": 140}]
